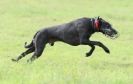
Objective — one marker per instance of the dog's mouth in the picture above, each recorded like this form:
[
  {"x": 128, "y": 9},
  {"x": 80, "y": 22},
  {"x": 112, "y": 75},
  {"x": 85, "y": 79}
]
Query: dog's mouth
[{"x": 112, "y": 35}]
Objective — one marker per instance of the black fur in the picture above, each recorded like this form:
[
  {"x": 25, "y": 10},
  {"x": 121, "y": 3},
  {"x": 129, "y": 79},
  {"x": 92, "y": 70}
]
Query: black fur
[{"x": 75, "y": 33}]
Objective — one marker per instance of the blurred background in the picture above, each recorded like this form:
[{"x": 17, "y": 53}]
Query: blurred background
[{"x": 62, "y": 63}]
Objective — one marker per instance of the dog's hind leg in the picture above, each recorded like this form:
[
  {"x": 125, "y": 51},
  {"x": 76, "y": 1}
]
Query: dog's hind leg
[
  {"x": 40, "y": 44},
  {"x": 38, "y": 52},
  {"x": 30, "y": 50}
]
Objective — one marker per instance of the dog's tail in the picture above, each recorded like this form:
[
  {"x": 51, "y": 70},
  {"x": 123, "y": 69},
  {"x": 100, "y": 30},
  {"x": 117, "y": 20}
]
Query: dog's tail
[{"x": 29, "y": 45}]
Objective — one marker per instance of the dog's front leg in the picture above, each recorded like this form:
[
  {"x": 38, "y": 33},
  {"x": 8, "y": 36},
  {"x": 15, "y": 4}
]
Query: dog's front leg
[
  {"x": 84, "y": 39},
  {"x": 86, "y": 42},
  {"x": 91, "y": 51},
  {"x": 91, "y": 44},
  {"x": 100, "y": 45}
]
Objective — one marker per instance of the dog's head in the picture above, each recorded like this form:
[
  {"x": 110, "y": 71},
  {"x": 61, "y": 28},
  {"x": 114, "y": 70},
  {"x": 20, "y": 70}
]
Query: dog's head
[{"x": 105, "y": 27}]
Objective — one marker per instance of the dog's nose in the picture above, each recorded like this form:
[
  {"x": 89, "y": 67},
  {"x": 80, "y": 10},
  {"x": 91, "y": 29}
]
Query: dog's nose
[{"x": 116, "y": 33}]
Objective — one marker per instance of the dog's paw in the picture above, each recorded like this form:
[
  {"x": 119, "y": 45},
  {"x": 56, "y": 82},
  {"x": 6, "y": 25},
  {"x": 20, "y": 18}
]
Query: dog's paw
[
  {"x": 88, "y": 54},
  {"x": 107, "y": 51}
]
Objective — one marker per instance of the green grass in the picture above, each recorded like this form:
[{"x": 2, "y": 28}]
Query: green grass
[{"x": 62, "y": 63}]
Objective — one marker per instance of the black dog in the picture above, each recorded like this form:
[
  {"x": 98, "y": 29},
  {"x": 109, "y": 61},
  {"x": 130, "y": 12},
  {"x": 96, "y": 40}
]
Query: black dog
[{"x": 74, "y": 33}]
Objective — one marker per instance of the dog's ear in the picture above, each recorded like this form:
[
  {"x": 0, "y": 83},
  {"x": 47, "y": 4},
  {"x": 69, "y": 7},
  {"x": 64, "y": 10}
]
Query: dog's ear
[
  {"x": 100, "y": 20},
  {"x": 98, "y": 17}
]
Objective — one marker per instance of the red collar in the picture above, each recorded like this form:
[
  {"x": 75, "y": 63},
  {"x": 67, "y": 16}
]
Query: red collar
[{"x": 95, "y": 24}]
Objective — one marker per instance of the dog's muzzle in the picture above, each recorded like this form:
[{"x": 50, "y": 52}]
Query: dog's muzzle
[{"x": 113, "y": 34}]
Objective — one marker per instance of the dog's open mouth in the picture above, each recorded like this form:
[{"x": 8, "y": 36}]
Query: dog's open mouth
[{"x": 111, "y": 35}]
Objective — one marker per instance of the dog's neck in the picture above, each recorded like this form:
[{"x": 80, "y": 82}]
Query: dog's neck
[{"x": 95, "y": 24}]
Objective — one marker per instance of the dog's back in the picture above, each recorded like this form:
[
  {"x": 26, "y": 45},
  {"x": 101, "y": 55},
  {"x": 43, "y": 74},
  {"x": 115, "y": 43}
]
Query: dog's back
[{"x": 68, "y": 32}]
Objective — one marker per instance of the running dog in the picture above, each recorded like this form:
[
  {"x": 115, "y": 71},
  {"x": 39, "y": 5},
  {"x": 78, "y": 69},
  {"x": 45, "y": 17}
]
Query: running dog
[{"x": 75, "y": 33}]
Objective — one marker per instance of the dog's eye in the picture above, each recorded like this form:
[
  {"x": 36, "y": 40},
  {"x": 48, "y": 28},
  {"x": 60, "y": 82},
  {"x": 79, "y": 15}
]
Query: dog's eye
[{"x": 107, "y": 25}]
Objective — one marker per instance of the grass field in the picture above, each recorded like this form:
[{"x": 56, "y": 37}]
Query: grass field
[{"x": 62, "y": 63}]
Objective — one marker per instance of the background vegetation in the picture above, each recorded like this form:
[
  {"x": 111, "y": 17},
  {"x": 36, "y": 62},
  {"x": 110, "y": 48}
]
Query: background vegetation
[{"x": 62, "y": 63}]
